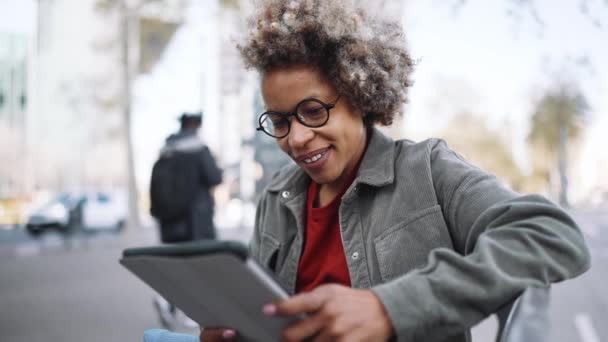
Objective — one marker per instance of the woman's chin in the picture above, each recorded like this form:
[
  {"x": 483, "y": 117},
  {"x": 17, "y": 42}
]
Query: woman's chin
[{"x": 321, "y": 179}]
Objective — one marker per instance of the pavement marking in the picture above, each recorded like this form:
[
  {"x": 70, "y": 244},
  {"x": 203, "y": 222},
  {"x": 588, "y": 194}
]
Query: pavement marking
[{"x": 585, "y": 329}]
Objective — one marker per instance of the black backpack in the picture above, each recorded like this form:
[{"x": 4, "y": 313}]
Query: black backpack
[{"x": 174, "y": 185}]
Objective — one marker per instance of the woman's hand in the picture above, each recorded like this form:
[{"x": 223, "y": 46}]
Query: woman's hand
[
  {"x": 334, "y": 313},
  {"x": 216, "y": 334}
]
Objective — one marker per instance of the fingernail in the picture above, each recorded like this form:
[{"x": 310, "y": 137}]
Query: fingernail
[
  {"x": 228, "y": 334},
  {"x": 269, "y": 309}
]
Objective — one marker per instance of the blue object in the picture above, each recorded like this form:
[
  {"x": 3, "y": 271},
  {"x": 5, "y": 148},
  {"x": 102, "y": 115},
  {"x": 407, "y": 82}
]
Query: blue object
[{"x": 160, "y": 335}]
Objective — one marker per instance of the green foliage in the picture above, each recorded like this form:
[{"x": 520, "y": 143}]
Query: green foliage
[
  {"x": 557, "y": 123},
  {"x": 563, "y": 106},
  {"x": 109, "y": 5},
  {"x": 105, "y": 5},
  {"x": 229, "y": 3},
  {"x": 470, "y": 136}
]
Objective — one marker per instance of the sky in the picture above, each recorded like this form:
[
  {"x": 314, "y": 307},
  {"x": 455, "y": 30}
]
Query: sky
[
  {"x": 498, "y": 65},
  {"x": 475, "y": 58},
  {"x": 17, "y": 16}
]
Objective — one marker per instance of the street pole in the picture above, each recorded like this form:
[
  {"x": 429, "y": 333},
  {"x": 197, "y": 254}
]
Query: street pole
[{"x": 126, "y": 17}]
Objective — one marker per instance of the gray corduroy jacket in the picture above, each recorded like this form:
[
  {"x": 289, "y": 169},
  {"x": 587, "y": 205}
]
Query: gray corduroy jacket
[{"x": 442, "y": 243}]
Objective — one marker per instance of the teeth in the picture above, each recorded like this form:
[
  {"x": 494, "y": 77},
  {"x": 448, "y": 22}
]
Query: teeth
[{"x": 313, "y": 158}]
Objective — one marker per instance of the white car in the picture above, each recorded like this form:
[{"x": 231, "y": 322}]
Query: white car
[
  {"x": 104, "y": 211},
  {"x": 61, "y": 213}
]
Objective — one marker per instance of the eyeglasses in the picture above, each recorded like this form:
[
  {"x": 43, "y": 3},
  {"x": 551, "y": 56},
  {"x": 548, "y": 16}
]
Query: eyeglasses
[{"x": 309, "y": 112}]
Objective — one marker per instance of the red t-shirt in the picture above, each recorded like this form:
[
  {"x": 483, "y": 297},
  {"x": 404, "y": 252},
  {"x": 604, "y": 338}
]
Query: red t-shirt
[{"x": 323, "y": 260}]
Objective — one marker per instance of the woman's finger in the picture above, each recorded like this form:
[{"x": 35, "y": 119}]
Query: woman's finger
[
  {"x": 304, "y": 329},
  {"x": 299, "y": 304},
  {"x": 216, "y": 334}
]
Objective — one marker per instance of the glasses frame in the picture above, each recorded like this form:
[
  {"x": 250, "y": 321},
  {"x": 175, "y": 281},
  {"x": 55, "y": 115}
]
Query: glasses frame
[{"x": 326, "y": 106}]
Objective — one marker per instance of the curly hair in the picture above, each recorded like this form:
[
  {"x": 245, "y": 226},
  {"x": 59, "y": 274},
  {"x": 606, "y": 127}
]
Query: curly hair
[{"x": 364, "y": 56}]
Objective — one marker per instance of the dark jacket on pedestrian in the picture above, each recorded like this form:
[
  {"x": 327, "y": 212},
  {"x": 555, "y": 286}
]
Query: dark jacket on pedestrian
[
  {"x": 198, "y": 223},
  {"x": 442, "y": 243}
]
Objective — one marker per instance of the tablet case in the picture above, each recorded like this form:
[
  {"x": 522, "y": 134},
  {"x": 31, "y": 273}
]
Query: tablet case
[{"x": 213, "y": 282}]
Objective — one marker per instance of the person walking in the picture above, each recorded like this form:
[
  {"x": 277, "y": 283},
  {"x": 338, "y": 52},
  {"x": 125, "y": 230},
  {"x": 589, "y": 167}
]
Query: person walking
[
  {"x": 180, "y": 193},
  {"x": 182, "y": 178}
]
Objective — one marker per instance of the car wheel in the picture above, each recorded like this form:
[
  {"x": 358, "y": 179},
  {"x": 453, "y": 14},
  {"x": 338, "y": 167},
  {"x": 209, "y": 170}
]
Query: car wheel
[{"x": 35, "y": 232}]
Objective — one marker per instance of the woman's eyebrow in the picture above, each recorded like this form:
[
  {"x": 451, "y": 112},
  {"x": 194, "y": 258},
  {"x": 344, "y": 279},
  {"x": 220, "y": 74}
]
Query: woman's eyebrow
[{"x": 313, "y": 95}]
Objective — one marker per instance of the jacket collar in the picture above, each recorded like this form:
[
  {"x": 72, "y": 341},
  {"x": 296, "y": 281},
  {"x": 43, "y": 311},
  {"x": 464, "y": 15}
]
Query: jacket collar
[
  {"x": 378, "y": 165},
  {"x": 376, "y": 169}
]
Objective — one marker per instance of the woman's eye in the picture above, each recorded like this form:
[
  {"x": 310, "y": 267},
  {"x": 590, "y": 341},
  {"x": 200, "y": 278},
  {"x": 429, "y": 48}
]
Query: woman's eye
[
  {"x": 279, "y": 123},
  {"x": 313, "y": 111}
]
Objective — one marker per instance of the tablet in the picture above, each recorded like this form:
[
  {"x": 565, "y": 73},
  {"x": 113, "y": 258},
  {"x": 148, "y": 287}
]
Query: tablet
[{"x": 215, "y": 283}]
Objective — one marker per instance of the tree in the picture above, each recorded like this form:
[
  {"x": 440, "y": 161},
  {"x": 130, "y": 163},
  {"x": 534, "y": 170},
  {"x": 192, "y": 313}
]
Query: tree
[
  {"x": 125, "y": 13},
  {"x": 557, "y": 118},
  {"x": 469, "y": 135},
  {"x": 128, "y": 12}
]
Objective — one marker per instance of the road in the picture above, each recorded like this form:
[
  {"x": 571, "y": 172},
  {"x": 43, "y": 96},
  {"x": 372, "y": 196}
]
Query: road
[{"x": 75, "y": 290}]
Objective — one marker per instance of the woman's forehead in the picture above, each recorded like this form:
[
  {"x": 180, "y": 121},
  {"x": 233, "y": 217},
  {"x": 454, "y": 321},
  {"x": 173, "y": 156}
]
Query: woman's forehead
[
  {"x": 298, "y": 75},
  {"x": 284, "y": 88}
]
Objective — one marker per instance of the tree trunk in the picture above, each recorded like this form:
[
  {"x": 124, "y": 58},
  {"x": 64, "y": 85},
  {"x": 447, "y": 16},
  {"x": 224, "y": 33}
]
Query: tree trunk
[
  {"x": 563, "y": 163},
  {"x": 133, "y": 219}
]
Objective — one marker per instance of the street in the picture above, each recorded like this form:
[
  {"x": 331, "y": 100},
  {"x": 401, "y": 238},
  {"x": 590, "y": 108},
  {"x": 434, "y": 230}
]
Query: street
[{"x": 71, "y": 291}]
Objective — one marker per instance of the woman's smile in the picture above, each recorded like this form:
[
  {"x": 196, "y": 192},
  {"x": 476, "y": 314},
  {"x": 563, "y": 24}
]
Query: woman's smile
[{"x": 315, "y": 160}]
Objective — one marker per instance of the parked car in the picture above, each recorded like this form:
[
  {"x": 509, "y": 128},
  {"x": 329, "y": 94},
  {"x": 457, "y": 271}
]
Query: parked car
[
  {"x": 63, "y": 213},
  {"x": 104, "y": 211}
]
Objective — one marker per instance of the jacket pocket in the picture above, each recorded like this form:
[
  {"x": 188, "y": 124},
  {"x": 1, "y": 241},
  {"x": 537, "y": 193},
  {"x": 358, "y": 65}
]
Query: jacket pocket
[
  {"x": 269, "y": 251},
  {"x": 406, "y": 245}
]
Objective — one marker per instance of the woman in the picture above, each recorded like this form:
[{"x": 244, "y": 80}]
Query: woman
[{"x": 376, "y": 238}]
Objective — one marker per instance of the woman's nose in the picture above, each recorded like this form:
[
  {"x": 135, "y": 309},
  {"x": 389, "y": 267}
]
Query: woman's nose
[{"x": 299, "y": 135}]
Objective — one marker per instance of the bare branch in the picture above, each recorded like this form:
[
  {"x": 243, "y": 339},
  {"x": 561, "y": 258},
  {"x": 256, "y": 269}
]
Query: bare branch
[{"x": 532, "y": 9}]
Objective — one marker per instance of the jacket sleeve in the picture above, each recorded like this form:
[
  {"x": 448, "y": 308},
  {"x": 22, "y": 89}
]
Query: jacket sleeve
[
  {"x": 211, "y": 174},
  {"x": 503, "y": 241},
  {"x": 255, "y": 241}
]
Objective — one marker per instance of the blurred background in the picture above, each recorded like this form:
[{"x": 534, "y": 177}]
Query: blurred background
[{"x": 90, "y": 89}]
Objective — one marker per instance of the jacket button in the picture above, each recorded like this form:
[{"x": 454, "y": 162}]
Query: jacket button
[
  {"x": 355, "y": 256},
  {"x": 285, "y": 194}
]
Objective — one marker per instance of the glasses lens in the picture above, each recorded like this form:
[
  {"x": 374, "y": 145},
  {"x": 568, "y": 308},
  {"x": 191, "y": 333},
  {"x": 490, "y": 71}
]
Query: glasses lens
[
  {"x": 274, "y": 124},
  {"x": 312, "y": 113}
]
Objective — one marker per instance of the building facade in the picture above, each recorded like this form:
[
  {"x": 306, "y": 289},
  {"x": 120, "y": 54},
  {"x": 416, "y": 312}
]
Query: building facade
[{"x": 14, "y": 97}]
